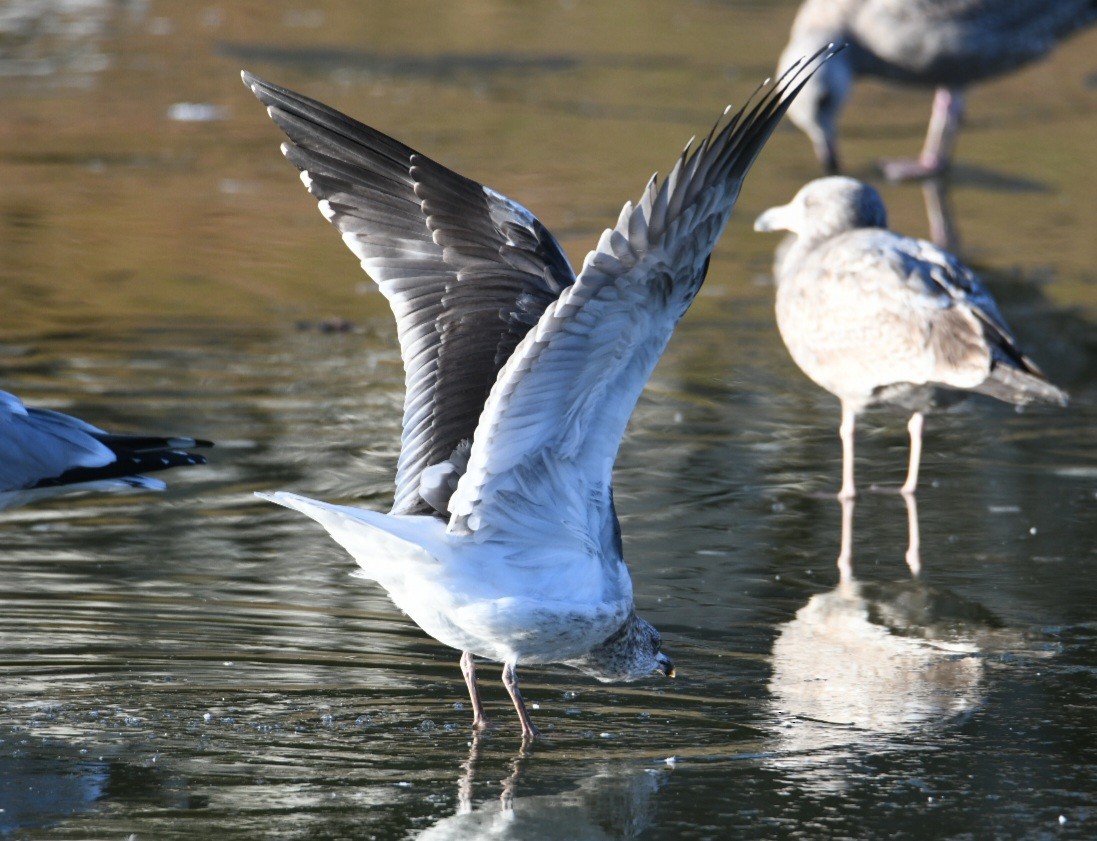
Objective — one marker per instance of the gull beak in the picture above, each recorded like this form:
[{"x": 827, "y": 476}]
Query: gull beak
[
  {"x": 665, "y": 667},
  {"x": 826, "y": 150},
  {"x": 774, "y": 219}
]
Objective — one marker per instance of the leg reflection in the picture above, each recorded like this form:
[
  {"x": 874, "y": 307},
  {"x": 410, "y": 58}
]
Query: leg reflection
[
  {"x": 942, "y": 227},
  {"x": 469, "y": 769},
  {"x": 914, "y": 540},
  {"x": 845, "y": 554}
]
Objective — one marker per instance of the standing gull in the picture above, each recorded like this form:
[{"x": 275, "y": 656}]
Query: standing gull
[
  {"x": 878, "y": 318},
  {"x": 943, "y": 44},
  {"x": 45, "y": 453},
  {"x": 520, "y": 377}
]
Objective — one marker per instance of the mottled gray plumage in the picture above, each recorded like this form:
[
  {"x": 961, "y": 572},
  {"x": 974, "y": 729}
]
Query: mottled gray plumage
[
  {"x": 878, "y": 318},
  {"x": 521, "y": 375},
  {"x": 623, "y": 654},
  {"x": 45, "y": 453},
  {"x": 943, "y": 44}
]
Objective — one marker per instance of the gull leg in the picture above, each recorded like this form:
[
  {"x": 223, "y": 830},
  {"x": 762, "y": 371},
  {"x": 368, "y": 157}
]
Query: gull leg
[
  {"x": 944, "y": 128},
  {"x": 510, "y": 681},
  {"x": 914, "y": 426},
  {"x": 845, "y": 432},
  {"x": 468, "y": 669}
]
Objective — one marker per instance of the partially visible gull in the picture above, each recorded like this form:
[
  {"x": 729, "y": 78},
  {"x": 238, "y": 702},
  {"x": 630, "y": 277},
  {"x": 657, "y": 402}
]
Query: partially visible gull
[
  {"x": 878, "y": 318},
  {"x": 942, "y": 44},
  {"x": 45, "y": 453},
  {"x": 503, "y": 541}
]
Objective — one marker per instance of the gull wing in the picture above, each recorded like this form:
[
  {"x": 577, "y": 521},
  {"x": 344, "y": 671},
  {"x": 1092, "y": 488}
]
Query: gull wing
[
  {"x": 466, "y": 270},
  {"x": 966, "y": 321},
  {"x": 542, "y": 456},
  {"x": 43, "y": 445},
  {"x": 41, "y": 449}
]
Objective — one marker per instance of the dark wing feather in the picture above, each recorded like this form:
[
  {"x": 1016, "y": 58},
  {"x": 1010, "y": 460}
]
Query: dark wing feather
[{"x": 466, "y": 270}]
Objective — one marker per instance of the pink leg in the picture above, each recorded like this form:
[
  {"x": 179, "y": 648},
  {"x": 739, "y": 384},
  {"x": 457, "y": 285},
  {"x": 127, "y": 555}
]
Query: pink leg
[
  {"x": 510, "y": 681},
  {"x": 468, "y": 669},
  {"x": 944, "y": 128},
  {"x": 845, "y": 432},
  {"x": 914, "y": 426}
]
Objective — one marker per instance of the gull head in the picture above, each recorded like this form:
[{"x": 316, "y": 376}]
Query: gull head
[
  {"x": 816, "y": 108},
  {"x": 633, "y": 651},
  {"x": 826, "y": 207}
]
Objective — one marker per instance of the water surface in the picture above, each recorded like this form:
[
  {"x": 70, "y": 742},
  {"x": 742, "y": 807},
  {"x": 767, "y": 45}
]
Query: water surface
[{"x": 194, "y": 662}]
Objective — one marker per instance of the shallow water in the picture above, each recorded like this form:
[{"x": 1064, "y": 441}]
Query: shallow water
[{"x": 180, "y": 664}]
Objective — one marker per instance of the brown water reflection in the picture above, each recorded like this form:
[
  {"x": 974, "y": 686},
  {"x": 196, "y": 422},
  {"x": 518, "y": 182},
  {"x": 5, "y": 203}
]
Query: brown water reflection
[{"x": 178, "y": 664}]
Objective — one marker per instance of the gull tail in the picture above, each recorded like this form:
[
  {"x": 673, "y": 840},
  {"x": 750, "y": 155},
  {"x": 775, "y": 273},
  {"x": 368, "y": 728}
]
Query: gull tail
[
  {"x": 378, "y": 542},
  {"x": 1014, "y": 385}
]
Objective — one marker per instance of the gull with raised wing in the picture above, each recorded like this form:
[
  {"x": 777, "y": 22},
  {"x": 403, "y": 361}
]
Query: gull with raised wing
[
  {"x": 520, "y": 375},
  {"x": 877, "y": 318},
  {"x": 44, "y": 453}
]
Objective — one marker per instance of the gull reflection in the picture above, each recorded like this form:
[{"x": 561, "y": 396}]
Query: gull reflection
[
  {"x": 612, "y": 801},
  {"x": 45, "y": 782},
  {"x": 942, "y": 227},
  {"x": 868, "y": 662}
]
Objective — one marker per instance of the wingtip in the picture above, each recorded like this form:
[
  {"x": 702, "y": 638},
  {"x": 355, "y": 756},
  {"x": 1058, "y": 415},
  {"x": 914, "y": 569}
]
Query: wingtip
[{"x": 180, "y": 443}]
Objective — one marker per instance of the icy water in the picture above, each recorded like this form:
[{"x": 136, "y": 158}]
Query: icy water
[{"x": 200, "y": 664}]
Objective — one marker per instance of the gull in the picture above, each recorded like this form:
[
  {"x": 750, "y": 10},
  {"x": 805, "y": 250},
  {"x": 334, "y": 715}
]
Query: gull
[
  {"x": 45, "y": 453},
  {"x": 502, "y": 541},
  {"x": 942, "y": 44},
  {"x": 877, "y": 318}
]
